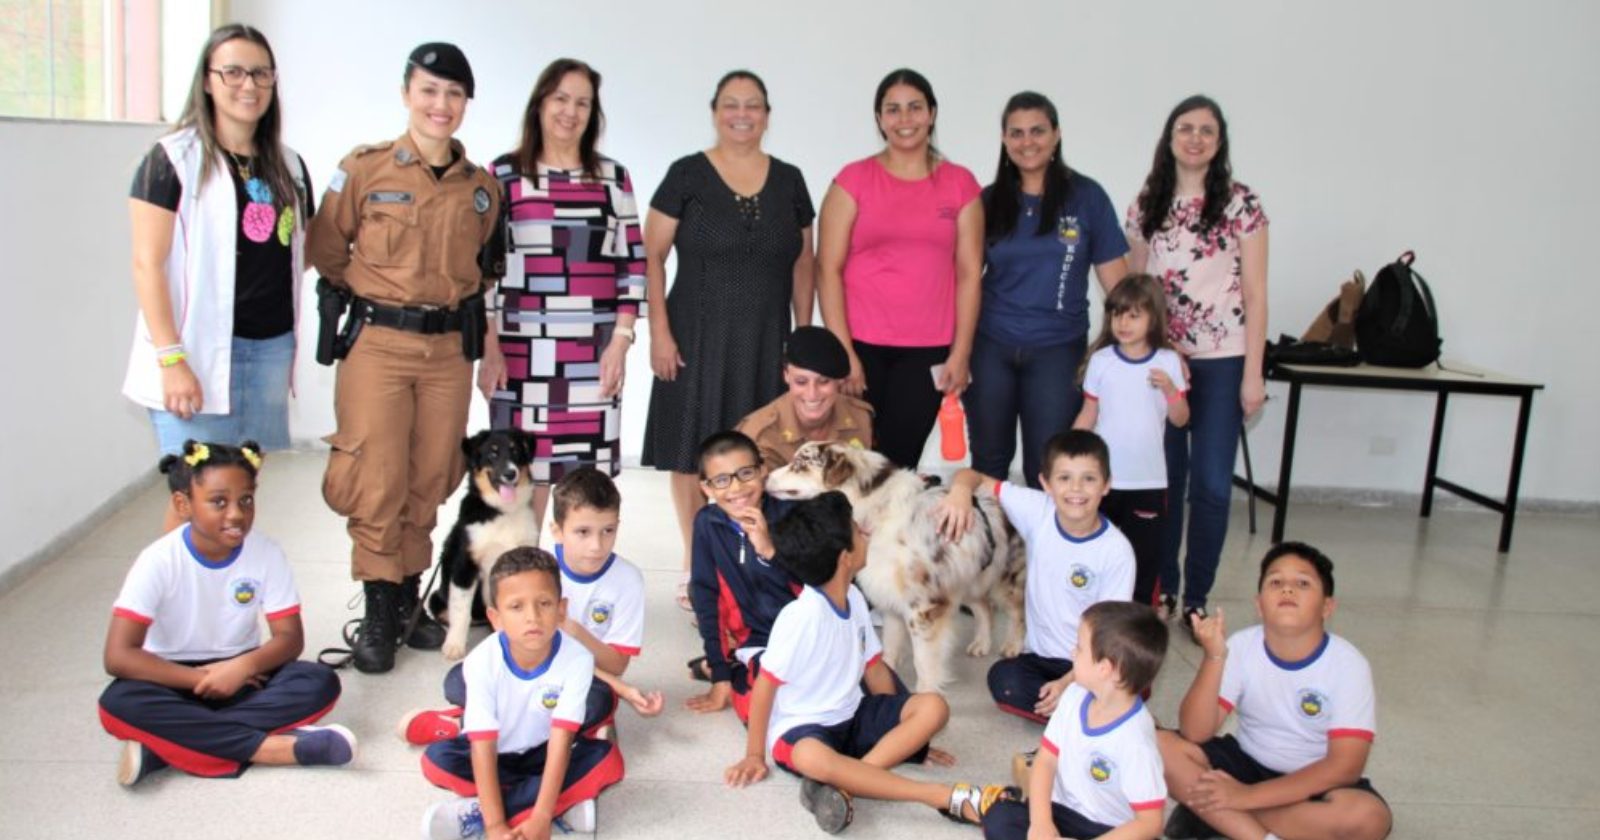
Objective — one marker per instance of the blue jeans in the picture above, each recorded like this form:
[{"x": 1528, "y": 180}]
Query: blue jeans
[
  {"x": 258, "y": 401},
  {"x": 1200, "y": 461},
  {"x": 1039, "y": 385}
]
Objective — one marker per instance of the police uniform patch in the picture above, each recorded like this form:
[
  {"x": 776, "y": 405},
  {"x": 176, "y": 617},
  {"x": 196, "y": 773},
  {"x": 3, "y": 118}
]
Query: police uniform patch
[
  {"x": 429, "y": 58},
  {"x": 336, "y": 183},
  {"x": 480, "y": 200}
]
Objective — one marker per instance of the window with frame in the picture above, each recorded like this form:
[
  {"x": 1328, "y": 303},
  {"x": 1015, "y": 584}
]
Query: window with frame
[{"x": 83, "y": 59}]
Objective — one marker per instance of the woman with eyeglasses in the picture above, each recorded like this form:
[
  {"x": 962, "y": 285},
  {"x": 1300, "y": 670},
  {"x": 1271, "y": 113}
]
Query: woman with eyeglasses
[
  {"x": 1204, "y": 236},
  {"x": 218, "y": 211}
]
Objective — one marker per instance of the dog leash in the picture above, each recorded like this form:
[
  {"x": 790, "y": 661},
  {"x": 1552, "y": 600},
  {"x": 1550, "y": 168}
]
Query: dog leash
[{"x": 338, "y": 657}]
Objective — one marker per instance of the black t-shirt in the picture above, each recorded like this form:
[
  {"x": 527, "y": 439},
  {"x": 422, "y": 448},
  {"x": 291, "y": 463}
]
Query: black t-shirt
[{"x": 263, "y": 295}]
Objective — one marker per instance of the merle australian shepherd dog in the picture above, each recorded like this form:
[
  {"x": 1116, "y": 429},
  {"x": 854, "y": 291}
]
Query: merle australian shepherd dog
[{"x": 495, "y": 517}]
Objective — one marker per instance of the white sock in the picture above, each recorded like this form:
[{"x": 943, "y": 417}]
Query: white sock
[{"x": 1271, "y": 836}]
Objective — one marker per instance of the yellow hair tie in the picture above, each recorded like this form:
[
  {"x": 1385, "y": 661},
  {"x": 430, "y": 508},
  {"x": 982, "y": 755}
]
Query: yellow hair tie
[
  {"x": 200, "y": 453},
  {"x": 252, "y": 456}
]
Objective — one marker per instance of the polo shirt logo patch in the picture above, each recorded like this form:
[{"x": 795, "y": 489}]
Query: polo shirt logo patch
[
  {"x": 244, "y": 591},
  {"x": 949, "y": 213},
  {"x": 1081, "y": 577},
  {"x": 599, "y": 612},
  {"x": 550, "y": 696},
  {"x": 1101, "y": 768},
  {"x": 1313, "y": 703}
]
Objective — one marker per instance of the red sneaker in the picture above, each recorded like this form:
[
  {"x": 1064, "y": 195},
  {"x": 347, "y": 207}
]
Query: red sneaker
[{"x": 426, "y": 726}]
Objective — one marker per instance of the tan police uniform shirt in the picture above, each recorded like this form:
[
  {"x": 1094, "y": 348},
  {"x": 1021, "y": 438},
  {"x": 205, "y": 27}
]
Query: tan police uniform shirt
[
  {"x": 392, "y": 233},
  {"x": 776, "y": 429}
]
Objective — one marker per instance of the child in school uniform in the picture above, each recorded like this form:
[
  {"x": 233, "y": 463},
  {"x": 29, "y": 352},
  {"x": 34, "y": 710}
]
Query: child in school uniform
[
  {"x": 1133, "y": 386},
  {"x": 1098, "y": 770},
  {"x": 521, "y": 762},
  {"x": 195, "y": 687},
  {"x": 605, "y": 611},
  {"x": 1076, "y": 558},
  {"x": 1307, "y": 716},
  {"x": 735, "y": 587},
  {"x": 807, "y": 707}
]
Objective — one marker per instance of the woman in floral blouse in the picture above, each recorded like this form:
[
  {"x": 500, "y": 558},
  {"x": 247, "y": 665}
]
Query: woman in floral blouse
[{"x": 1204, "y": 235}]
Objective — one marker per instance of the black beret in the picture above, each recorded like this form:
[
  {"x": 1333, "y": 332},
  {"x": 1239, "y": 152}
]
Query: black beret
[
  {"x": 819, "y": 351},
  {"x": 446, "y": 61}
]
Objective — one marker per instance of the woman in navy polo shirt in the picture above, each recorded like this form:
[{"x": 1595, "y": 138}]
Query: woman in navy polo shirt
[{"x": 1046, "y": 225}]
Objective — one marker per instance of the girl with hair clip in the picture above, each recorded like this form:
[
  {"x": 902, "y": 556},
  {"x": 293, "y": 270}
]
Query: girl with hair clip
[
  {"x": 1045, "y": 225},
  {"x": 740, "y": 220},
  {"x": 215, "y": 339},
  {"x": 1203, "y": 235},
  {"x": 899, "y": 264},
  {"x": 558, "y": 341},
  {"x": 194, "y": 686},
  {"x": 1133, "y": 386}
]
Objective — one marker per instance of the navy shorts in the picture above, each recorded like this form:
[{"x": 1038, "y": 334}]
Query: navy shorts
[
  {"x": 877, "y": 714},
  {"x": 1226, "y": 755},
  {"x": 1009, "y": 821}
]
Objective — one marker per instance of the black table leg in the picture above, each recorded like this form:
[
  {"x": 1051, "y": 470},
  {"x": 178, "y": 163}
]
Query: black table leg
[
  {"x": 1510, "y": 515},
  {"x": 1433, "y": 454},
  {"x": 1291, "y": 421}
]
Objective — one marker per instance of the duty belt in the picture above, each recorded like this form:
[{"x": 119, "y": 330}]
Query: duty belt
[{"x": 415, "y": 319}]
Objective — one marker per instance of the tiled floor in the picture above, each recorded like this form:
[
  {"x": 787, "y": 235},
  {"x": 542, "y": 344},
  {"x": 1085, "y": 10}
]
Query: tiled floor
[{"x": 1484, "y": 666}]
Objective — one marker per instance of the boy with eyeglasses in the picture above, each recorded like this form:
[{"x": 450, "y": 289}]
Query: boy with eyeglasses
[{"x": 735, "y": 586}]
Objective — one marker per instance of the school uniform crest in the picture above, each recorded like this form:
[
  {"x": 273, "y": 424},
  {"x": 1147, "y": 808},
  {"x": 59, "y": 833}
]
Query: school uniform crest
[
  {"x": 1080, "y": 577},
  {"x": 600, "y": 612},
  {"x": 1068, "y": 232},
  {"x": 1313, "y": 703},
  {"x": 550, "y": 696},
  {"x": 245, "y": 591},
  {"x": 1101, "y": 768}
]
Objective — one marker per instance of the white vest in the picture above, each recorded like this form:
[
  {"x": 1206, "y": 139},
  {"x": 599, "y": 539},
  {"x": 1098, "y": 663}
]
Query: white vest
[{"x": 200, "y": 278}]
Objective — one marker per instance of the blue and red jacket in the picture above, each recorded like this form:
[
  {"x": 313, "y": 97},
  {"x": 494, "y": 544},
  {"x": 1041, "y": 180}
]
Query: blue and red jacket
[{"x": 736, "y": 594}]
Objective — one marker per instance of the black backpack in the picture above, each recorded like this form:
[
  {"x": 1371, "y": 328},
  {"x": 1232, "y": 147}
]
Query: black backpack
[{"x": 1397, "y": 324}]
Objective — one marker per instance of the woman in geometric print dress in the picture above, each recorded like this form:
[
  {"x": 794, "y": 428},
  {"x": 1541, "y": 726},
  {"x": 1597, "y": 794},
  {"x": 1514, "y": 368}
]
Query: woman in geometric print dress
[
  {"x": 1204, "y": 236},
  {"x": 740, "y": 221},
  {"x": 553, "y": 364}
]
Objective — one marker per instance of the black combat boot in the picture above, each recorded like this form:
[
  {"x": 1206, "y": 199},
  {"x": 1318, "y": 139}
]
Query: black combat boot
[
  {"x": 428, "y": 634},
  {"x": 376, "y": 638}
]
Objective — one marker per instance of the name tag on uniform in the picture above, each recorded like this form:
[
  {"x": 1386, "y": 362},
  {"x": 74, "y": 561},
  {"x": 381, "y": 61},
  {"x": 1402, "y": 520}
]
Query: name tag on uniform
[{"x": 389, "y": 198}]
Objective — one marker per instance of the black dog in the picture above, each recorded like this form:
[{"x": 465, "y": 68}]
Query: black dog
[{"x": 495, "y": 516}]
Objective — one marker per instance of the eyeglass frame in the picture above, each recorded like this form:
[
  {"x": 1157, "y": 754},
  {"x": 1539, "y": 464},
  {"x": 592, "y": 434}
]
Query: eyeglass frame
[
  {"x": 252, "y": 74},
  {"x": 1186, "y": 130},
  {"x": 744, "y": 475}
]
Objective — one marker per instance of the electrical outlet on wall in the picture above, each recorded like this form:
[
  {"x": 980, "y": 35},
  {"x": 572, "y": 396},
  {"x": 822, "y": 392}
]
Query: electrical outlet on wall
[{"x": 1381, "y": 445}]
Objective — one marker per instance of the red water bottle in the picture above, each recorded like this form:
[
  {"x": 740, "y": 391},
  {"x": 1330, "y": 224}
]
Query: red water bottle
[{"x": 952, "y": 429}]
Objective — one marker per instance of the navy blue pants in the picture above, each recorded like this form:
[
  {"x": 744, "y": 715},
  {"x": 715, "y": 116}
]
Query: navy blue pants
[
  {"x": 217, "y": 737},
  {"x": 1200, "y": 460},
  {"x": 593, "y": 767},
  {"x": 1009, "y": 821},
  {"x": 600, "y": 708},
  {"x": 1014, "y": 683},
  {"x": 1036, "y": 385},
  {"x": 1141, "y": 516}
]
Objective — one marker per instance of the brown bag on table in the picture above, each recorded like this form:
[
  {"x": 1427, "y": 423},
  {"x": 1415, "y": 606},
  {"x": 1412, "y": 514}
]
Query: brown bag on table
[{"x": 1336, "y": 323}]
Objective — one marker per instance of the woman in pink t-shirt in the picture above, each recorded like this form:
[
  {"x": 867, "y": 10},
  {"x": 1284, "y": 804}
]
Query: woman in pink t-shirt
[
  {"x": 1204, "y": 236},
  {"x": 900, "y": 259}
]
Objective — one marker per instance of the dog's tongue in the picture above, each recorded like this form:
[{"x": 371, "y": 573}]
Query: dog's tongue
[{"x": 508, "y": 493}]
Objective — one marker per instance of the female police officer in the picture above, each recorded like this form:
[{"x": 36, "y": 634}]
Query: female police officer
[{"x": 402, "y": 234}]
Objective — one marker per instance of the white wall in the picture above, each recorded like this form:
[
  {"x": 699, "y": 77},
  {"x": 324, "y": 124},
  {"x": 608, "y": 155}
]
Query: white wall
[
  {"x": 70, "y": 440},
  {"x": 1458, "y": 129}
]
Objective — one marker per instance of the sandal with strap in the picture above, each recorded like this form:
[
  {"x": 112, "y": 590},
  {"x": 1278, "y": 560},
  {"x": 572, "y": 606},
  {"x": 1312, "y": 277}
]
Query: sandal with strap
[
  {"x": 833, "y": 808},
  {"x": 980, "y": 798},
  {"x": 699, "y": 669}
]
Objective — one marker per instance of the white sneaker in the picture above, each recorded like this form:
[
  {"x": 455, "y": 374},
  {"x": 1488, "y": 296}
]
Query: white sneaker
[
  {"x": 453, "y": 819},
  {"x": 580, "y": 818}
]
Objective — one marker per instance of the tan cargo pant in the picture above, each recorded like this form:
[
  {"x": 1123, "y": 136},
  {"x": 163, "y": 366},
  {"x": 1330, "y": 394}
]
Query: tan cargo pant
[{"x": 401, "y": 400}]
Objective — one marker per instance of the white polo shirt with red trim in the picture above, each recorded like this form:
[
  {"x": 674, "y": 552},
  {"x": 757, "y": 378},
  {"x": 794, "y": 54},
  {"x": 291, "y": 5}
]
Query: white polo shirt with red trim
[
  {"x": 818, "y": 654},
  {"x": 1104, "y": 773},
  {"x": 520, "y": 707},
  {"x": 608, "y": 603},
  {"x": 1132, "y": 413},
  {"x": 196, "y": 609},
  {"x": 1066, "y": 574},
  {"x": 1288, "y": 711}
]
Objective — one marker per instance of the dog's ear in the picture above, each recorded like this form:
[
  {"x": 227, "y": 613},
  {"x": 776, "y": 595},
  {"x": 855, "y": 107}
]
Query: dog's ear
[
  {"x": 471, "y": 444},
  {"x": 837, "y": 469},
  {"x": 524, "y": 447}
]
